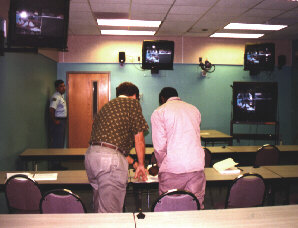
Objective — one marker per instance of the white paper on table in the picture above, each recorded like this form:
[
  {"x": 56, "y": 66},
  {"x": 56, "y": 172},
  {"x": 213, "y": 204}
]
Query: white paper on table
[
  {"x": 225, "y": 164},
  {"x": 45, "y": 176}
]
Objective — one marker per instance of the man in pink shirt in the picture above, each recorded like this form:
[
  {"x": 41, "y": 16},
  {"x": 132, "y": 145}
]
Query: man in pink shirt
[{"x": 177, "y": 144}]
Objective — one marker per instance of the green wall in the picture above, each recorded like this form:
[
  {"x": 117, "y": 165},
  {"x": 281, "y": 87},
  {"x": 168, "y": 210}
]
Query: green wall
[
  {"x": 212, "y": 94},
  {"x": 26, "y": 82}
]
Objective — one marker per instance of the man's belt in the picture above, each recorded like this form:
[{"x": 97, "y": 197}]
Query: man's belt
[
  {"x": 60, "y": 118},
  {"x": 111, "y": 146}
]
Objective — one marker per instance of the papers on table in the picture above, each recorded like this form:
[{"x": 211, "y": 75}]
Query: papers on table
[
  {"x": 37, "y": 176},
  {"x": 226, "y": 166}
]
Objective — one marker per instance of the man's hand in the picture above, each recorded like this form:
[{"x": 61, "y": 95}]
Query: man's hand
[{"x": 141, "y": 173}]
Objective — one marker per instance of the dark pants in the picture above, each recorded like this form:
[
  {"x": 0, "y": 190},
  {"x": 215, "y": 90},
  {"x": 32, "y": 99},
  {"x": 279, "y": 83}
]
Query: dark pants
[
  {"x": 57, "y": 134},
  {"x": 57, "y": 139}
]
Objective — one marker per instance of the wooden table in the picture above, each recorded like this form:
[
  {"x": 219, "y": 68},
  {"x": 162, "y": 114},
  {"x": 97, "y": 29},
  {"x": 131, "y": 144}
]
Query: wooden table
[
  {"x": 214, "y": 136},
  {"x": 276, "y": 216},
  {"x": 38, "y": 154},
  {"x": 284, "y": 171},
  {"x": 90, "y": 220}
]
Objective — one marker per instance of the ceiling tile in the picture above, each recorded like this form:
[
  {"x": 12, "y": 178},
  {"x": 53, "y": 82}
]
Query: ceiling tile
[
  {"x": 201, "y": 3},
  {"x": 244, "y": 4},
  {"x": 196, "y": 10},
  {"x": 277, "y": 4},
  {"x": 147, "y": 16},
  {"x": 175, "y": 26},
  {"x": 182, "y": 17},
  {"x": 263, "y": 13},
  {"x": 153, "y": 2},
  {"x": 110, "y": 7},
  {"x": 79, "y": 6},
  {"x": 137, "y": 8}
]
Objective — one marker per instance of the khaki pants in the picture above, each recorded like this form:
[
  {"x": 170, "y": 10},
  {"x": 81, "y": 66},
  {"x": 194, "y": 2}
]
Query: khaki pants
[
  {"x": 107, "y": 171},
  {"x": 194, "y": 182}
]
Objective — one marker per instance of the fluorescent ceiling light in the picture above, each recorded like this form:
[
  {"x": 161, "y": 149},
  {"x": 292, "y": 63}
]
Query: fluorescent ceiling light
[
  {"x": 127, "y": 32},
  {"x": 126, "y": 22},
  {"x": 254, "y": 26},
  {"x": 236, "y": 35}
]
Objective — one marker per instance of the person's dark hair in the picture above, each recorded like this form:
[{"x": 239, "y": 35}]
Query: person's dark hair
[
  {"x": 166, "y": 93},
  {"x": 58, "y": 82},
  {"x": 127, "y": 89}
]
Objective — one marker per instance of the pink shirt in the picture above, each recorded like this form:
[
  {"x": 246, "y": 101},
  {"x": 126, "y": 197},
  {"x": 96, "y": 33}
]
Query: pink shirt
[{"x": 176, "y": 137}]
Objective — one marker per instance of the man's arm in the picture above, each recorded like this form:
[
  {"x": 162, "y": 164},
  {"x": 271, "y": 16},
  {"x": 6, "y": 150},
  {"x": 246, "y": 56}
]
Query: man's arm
[
  {"x": 141, "y": 171},
  {"x": 52, "y": 116},
  {"x": 159, "y": 138}
]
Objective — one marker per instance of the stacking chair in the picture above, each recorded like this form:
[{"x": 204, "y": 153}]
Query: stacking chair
[
  {"x": 267, "y": 155},
  {"x": 22, "y": 195},
  {"x": 207, "y": 157},
  {"x": 176, "y": 200},
  {"x": 247, "y": 190},
  {"x": 61, "y": 201}
]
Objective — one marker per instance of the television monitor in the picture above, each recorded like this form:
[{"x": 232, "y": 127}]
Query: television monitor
[
  {"x": 38, "y": 23},
  {"x": 158, "y": 54},
  {"x": 259, "y": 57},
  {"x": 255, "y": 101}
]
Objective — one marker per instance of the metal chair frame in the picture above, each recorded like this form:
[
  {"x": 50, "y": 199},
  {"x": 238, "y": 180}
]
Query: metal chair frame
[
  {"x": 240, "y": 177},
  {"x": 60, "y": 192},
  {"x": 11, "y": 209},
  {"x": 176, "y": 192}
]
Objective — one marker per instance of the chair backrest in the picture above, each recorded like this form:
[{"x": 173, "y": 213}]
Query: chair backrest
[
  {"x": 22, "y": 195},
  {"x": 176, "y": 200},
  {"x": 247, "y": 190},
  {"x": 207, "y": 157},
  {"x": 61, "y": 201},
  {"x": 267, "y": 155}
]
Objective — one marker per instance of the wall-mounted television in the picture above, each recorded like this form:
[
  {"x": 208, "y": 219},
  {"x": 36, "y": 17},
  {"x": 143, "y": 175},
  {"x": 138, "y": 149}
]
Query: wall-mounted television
[
  {"x": 255, "y": 101},
  {"x": 259, "y": 57},
  {"x": 38, "y": 23},
  {"x": 157, "y": 55}
]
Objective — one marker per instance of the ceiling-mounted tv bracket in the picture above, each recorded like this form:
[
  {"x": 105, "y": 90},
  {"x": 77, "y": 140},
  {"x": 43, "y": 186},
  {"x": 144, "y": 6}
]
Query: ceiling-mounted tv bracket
[{"x": 206, "y": 67}]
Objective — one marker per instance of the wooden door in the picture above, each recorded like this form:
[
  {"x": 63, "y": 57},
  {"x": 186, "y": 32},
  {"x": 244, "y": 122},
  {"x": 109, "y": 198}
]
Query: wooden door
[{"x": 87, "y": 93}]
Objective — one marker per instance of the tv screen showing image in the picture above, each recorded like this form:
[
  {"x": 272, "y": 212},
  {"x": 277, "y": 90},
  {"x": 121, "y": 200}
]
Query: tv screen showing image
[
  {"x": 158, "y": 54},
  {"x": 38, "y": 23},
  {"x": 259, "y": 57},
  {"x": 255, "y": 101}
]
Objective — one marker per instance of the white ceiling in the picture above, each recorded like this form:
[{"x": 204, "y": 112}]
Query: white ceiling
[{"x": 198, "y": 18}]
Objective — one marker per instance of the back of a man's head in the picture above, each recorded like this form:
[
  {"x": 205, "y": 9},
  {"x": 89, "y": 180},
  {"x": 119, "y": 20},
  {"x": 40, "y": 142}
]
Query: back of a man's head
[
  {"x": 166, "y": 93},
  {"x": 127, "y": 89}
]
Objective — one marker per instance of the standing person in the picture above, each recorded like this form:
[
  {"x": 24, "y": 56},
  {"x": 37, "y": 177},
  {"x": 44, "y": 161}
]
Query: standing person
[
  {"x": 58, "y": 119},
  {"x": 58, "y": 116},
  {"x": 118, "y": 126},
  {"x": 177, "y": 145}
]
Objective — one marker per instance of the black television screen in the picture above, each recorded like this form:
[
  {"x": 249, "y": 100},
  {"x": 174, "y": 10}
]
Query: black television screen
[
  {"x": 259, "y": 57},
  {"x": 158, "y": 54},
  {"x": 255, "y": 101},
  {"x": 38, "y": 23}
]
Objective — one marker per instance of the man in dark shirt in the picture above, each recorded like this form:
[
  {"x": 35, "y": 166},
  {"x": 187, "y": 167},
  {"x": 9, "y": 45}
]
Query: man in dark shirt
[{"x": 117, "y": 127}]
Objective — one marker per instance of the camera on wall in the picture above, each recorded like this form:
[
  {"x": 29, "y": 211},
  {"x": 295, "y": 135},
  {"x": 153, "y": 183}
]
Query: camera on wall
[{"x": 206, "y": 67}]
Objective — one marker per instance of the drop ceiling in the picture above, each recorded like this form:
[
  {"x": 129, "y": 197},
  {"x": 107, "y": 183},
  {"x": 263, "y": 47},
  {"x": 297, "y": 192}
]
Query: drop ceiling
[{"x": 197, "y": 18}]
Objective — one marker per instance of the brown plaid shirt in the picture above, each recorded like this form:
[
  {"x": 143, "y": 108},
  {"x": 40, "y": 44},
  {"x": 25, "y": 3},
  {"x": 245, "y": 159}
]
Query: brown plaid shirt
[{"x": 118, "y": 122}]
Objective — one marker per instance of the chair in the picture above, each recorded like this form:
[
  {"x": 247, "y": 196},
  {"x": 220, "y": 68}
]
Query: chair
[
  {"x": 61, "y": 201},
  {"x": 207, "y": 157},
  {"x": 176, "y": 200},
  {"x": 267, "y": 155},
  {"x": 247, "y": 190},
  {"x": 22, "y": 195}
]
